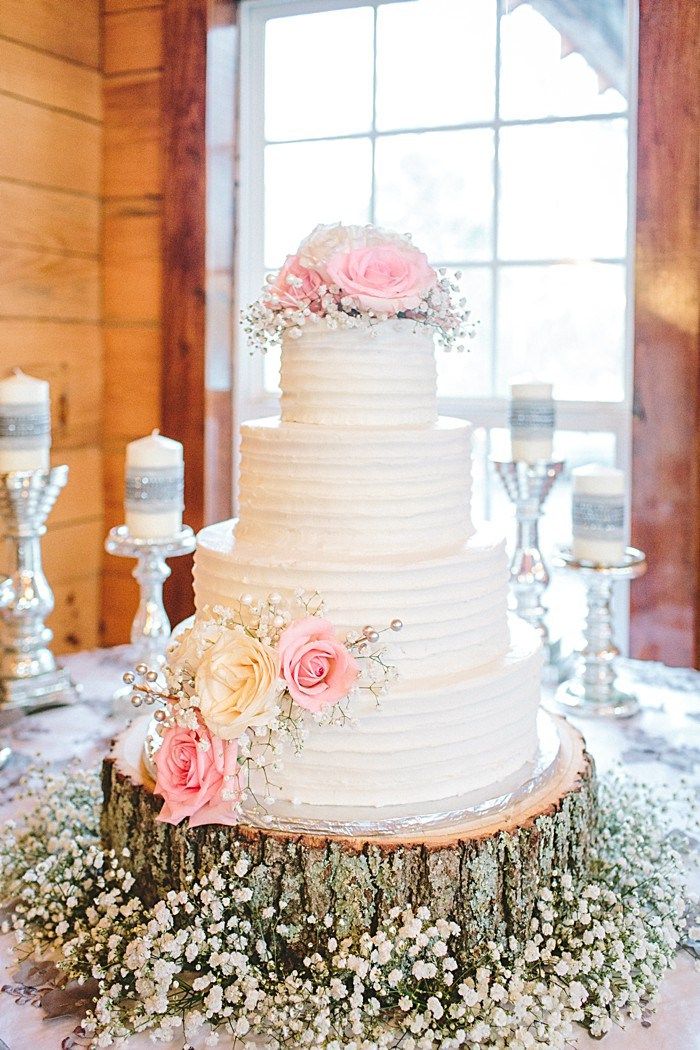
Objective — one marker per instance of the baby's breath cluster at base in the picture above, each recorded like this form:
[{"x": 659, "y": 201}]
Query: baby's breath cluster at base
[{"x": 218, "y": 961}]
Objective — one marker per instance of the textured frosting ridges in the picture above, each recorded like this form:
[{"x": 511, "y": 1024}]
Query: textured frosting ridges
[
  {"x": 380, "y": 374},
  {"x": 462, "y": 715},
  {"x": 332, "y": 491},
  {"x": 453, "y": 607},
  {"x": 427, "y": 741}
]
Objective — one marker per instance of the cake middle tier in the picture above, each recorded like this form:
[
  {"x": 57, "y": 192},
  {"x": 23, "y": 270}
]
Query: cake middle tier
[
  {"x": 315, "y": 490},
  {"x": 453, "y": 607}
]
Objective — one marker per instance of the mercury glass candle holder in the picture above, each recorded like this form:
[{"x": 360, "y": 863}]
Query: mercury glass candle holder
[
  {"x": 527, "y": 486},
  {"x": 593, "y": 690},
  {"x": 150, "y": 630},
  {"x": 30, "y": 678}
]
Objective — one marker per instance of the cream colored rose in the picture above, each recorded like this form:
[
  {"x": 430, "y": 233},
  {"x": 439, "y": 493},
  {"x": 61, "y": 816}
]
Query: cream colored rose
[
  {"x": 236, "y": 684},
  {"x": 185, "y": 649}
]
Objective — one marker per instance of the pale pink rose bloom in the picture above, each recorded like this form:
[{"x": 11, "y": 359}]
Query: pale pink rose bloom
[
  {"x": 191, "y": 777},
  {"x": 386, "y": 278},
  {"x": 300, "y": 292},
  {"x": 317, "y": 669}
]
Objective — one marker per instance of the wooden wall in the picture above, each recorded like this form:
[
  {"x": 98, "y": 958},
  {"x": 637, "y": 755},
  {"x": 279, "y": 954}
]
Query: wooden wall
[
  {"x": 132, "y": 186},
  {"x": 665, "y": 621},
  {"x": 50, "y": 294}
]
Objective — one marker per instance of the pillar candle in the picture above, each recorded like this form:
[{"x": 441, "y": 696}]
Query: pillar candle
[
  {"x": 154, "y": 487},
  {"x": 531, "y": 421},
  {"x": 25, "y": 423},
  {"x": 598, "y": 514}
]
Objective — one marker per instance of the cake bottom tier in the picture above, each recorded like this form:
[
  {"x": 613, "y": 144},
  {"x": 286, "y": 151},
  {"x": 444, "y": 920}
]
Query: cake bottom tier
[{"x": 485, "y": 874}]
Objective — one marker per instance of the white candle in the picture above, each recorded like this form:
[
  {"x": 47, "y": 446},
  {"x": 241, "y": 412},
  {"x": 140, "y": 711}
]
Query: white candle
[
  {"x": 531, "y": 421},
  {"x": 154, "y": 487},
  {"x": 25, "y": 423},
  {"x": 598, "y": 514}
]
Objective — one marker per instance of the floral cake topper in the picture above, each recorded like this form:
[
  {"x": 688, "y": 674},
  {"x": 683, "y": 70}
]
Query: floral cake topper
[
  {"x": 346, "y": 275},
  {"x": 242, "y": 685}
]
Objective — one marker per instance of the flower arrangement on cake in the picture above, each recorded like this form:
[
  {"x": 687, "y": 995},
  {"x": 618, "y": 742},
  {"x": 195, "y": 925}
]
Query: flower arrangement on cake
[
  {"x": 347, "y": 275},
  {"x": 241, "y": 684}
]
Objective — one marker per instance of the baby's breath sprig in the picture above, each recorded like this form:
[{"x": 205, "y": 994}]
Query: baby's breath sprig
[{"x": 218, "y": 962}]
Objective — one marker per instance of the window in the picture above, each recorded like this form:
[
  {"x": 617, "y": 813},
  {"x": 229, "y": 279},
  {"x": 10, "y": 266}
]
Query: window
[{"x": 498, "y": 134}]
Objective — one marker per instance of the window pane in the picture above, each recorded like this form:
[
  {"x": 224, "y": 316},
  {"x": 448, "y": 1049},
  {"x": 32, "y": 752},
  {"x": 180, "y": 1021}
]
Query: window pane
[
  {"x": 439, "y": 186},
  {"x": 318, "y": 74},
  {"x": 539, "y": 78},
  {"x": 436, "y": 62},
  {"x": 311, "y": 182},
  {"x": 567, "y": 323},
  {"x": 563, "y": 191},
  {"x": 468, "y": 374}
]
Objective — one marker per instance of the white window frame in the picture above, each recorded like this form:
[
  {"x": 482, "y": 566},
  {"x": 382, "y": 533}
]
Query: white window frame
[{"x": 251, "y": 398}]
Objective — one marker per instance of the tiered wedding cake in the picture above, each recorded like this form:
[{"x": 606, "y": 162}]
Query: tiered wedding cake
[
  {"x": 384, "y": 747},
  {"x": 362, "y": 492}
]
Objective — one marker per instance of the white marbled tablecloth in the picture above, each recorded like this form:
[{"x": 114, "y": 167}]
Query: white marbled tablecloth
[{"x": 660, "y": 745}]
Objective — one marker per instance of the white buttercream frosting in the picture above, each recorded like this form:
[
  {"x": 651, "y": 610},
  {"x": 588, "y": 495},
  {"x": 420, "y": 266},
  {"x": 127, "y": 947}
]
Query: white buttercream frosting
[
  {"x": 453, "y": 607},
  {"x": 359, "y": 492},
  {"x": 375, "y": 374},
  {"x": 340, "y": 492}
]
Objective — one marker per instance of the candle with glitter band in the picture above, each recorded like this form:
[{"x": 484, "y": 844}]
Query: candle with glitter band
[
  {"x": 25, "y": 423},
  {"x": 598, "y": 514},
  {"x": 532, "y": 420},
  {"x": 154, "y": 487}
]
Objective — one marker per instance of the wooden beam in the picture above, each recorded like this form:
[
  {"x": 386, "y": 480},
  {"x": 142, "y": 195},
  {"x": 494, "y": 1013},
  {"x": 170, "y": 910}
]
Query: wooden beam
[
  {"x": 184, "y": 217},
  {"x": 666, "y": 451}
]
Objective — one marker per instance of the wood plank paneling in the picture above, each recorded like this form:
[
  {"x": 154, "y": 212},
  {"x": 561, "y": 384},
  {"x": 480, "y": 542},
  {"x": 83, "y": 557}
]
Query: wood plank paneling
[
  {"x": 49, "y": 219},
  {"x": 82, "y": 497},
  {"x": 69, "y": 356},
  {"x": 133, "y": 40},
  {"x": 119, "y": 611},
  {"x": 50, "y": 279},
  {"x": 666, "y": 451},
  {"x": 132, "y": 279},
  {"x": 134, "y": 354},
  {"x": 73, "y": 550},
  {"x": 184, "y": 226},
  {"x": 132, "y": 261},
  {"x": 62, "y": 27},
  {"x": 129, "y": 5},
  {"x": 47, "y": 79},
  {"x": 132, "y": 137},
  {"x": 50, "y": 148},
  {"x": 44, "y": 284}
]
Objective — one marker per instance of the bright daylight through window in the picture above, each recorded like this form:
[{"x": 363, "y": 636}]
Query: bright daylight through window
[{"x": 497, "y": 134}]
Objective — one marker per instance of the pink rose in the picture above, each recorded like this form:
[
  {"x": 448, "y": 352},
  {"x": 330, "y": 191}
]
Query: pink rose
[
  {"x": 317, "y": 669},
  {"x": 384, "y": 278},
  {"x": 192, "y": 764},
  {"x": 300, "y": 291}
]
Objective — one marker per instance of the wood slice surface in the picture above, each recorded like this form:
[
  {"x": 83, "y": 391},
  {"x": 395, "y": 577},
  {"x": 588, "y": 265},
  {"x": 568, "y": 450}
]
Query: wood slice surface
[{"x": 485, "y": 874}]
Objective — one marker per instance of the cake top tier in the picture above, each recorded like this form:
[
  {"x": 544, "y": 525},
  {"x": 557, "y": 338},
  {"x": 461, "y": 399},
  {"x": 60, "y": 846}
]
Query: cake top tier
[
  {"x": 342, "y": 275},
  {"x": 377, "y": 374}
]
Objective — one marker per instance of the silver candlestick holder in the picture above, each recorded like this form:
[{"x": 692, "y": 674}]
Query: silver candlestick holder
[
  {"x": 150, "y": 630},
  {"x": 30, "y": 678},
  {"x": 528, "y": 486},
  {"x": 593, "y": 691}
]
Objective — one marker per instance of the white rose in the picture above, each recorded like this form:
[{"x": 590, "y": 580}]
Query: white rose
[
  {"x": 237, "y": 684},
  {"x": 326, "y": 241}
]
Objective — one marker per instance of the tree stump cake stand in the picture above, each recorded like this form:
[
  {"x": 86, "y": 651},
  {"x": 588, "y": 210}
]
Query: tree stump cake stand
[{"x": 486, "y": 875}]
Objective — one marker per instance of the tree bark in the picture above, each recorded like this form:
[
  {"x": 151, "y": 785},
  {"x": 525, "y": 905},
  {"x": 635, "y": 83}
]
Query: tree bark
[{"x": 485, "y": 878}]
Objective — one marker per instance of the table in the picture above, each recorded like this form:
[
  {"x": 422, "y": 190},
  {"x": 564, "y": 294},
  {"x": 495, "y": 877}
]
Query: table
[{"x": 660, "y": 745}]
